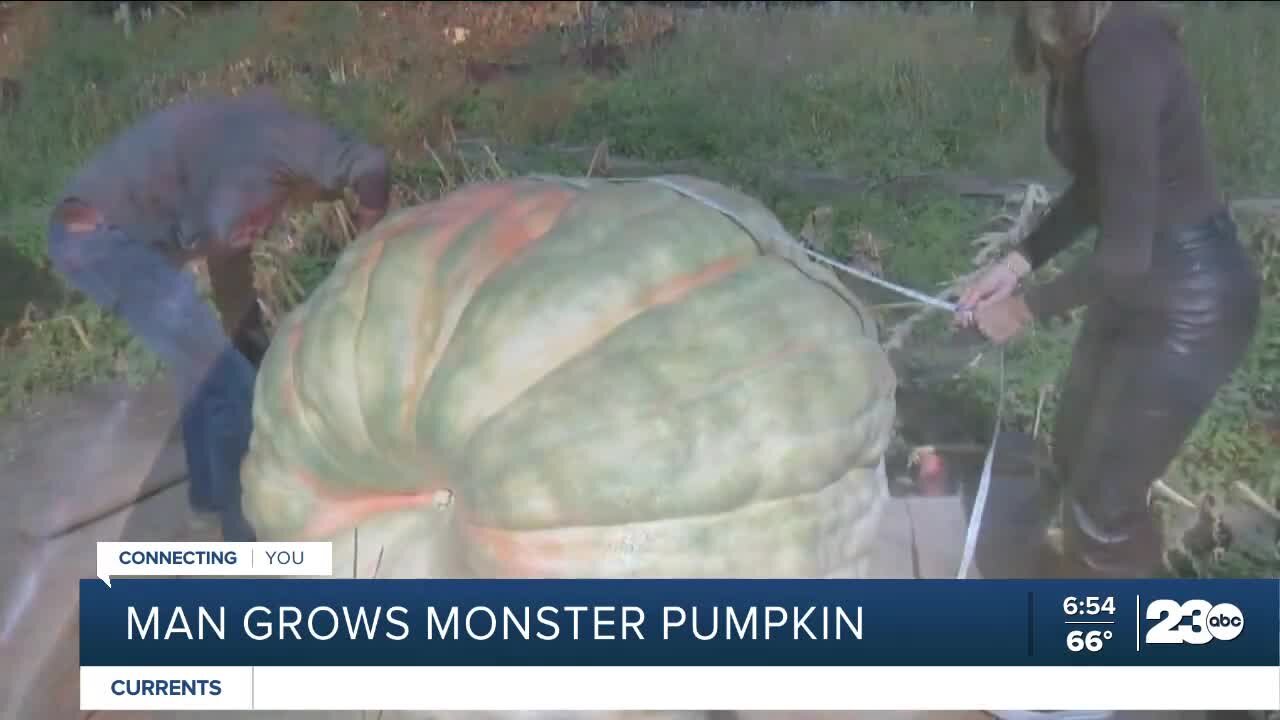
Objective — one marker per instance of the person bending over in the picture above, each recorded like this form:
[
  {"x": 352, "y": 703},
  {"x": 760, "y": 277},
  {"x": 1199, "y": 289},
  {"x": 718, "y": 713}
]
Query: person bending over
[
  {"x": 1172, "y": 297},
  {"x": 203, "y": 178}
]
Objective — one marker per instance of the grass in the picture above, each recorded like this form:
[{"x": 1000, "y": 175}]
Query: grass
[{"x": 866, "y": 94}]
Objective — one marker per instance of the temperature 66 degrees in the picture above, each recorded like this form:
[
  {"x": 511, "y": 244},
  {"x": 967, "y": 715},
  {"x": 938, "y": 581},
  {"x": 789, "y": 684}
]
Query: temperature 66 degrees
[
  {"x": 1090, "y": 640},
  {"x": 1090, "y": 605}
]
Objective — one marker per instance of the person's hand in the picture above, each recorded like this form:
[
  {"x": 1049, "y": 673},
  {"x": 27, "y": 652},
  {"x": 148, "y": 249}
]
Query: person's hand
[
  {"x": 1003, "y": 319},
  {"x": 996, "y": 283}
]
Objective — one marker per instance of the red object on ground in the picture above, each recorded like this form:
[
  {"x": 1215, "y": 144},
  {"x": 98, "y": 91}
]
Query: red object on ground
[{"x": 931, "y": 474}]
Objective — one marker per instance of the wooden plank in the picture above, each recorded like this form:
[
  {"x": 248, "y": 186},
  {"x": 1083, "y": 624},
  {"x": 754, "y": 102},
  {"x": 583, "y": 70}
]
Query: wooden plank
[
  {"x": 938, "y": 526},
  {"x": 934, "y": 526},
  {"x": 127, "y": 436},
  {"x": 891, "y": 558},
  {"x": 39, "y": 667}
]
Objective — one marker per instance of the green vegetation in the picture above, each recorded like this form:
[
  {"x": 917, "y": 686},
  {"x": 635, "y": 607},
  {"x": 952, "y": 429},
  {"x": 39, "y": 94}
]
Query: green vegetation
[{"x": 871, "y": 95}]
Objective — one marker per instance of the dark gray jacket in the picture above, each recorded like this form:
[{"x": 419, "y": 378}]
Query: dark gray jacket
[{"x": 185, "y": 178}]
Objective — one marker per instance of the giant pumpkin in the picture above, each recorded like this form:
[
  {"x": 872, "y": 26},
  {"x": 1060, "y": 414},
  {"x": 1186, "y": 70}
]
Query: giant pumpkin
[{"x": 553, "y": 377}]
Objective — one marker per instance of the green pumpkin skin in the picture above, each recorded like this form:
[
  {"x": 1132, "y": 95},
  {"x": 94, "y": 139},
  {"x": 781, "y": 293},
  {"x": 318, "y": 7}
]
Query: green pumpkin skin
[{"x": 542, "y": 378}]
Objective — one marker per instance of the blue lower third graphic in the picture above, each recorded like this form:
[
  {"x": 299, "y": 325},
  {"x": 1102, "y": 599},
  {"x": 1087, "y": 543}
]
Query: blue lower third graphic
[{"x": 288, "y": 622}]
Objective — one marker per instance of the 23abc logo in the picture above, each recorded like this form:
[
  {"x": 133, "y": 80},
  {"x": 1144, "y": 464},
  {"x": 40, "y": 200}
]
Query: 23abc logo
[{"x": 1194, "y": 622}]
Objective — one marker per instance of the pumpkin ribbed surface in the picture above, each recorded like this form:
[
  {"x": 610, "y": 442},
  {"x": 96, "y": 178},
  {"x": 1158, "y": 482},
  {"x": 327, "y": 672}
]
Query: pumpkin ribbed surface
[{"x": 576, "y": 378}]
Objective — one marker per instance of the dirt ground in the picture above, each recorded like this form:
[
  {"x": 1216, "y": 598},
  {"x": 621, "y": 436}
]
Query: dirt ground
[
  {"x": 22, "y": 29},
  {"x": 472, "y": 43}
]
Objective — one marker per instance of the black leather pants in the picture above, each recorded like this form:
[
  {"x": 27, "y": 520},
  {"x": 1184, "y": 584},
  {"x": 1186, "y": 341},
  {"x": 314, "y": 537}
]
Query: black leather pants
[{"x": 1144, "y": 370}]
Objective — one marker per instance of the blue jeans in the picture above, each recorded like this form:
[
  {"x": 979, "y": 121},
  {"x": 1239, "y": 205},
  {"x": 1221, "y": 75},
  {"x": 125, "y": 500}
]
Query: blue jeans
[{"x": 162, "y": 306}]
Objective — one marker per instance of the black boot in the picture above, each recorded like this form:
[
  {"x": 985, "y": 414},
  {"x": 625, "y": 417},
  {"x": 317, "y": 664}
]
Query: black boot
[{"x": 1137, "y": 554}]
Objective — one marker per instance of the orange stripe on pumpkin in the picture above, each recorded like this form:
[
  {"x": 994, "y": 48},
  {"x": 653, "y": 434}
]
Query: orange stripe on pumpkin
[
  {"x": 516, "y": 554},
  {"x": 462, "y": 208},
  {"x": 461, "y": 211},
  {"x": 289, "y": 386},
  {"x": 292, "y": 399},
  {"x": 676, "y": 288},
  {"x": 460, "y": 205},
  {"x": 371, "y": 257},
  {"x": 331, "y": 516},
  {"x": 378, "y": 246},
  {"x": 334, "y": 510},
  {"x": 418, "y": 369},
  {"x": 519, "y": 224}
]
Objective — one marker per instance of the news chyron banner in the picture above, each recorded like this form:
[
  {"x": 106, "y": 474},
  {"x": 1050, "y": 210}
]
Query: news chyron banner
[{"x": 306, "y": 638}]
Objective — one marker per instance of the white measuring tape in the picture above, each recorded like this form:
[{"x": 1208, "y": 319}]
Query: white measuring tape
[
  {"x": 984, "y": 482},
  {"x": 901, "y": 290},
  {"x": 984, "y": 485}
]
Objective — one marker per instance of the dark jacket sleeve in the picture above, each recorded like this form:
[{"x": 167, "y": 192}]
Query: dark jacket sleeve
[
  {"x": 1070, "y": 216},
  {"x": 330, "y": 160},
  {"x": 1124, "y": 86}
]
